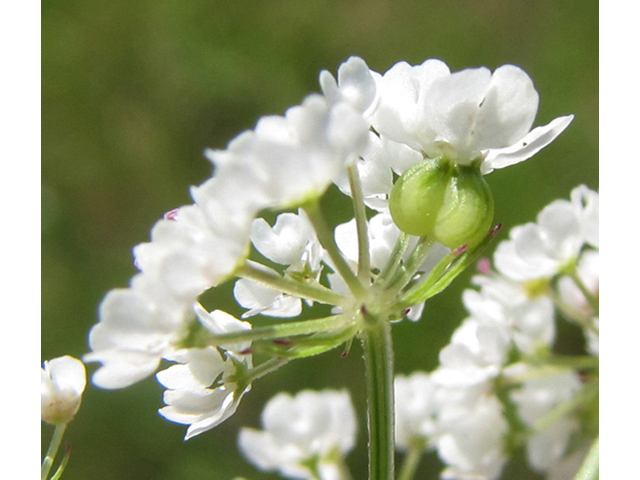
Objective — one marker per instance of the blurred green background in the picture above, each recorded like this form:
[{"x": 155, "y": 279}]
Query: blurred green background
[{"x": 133, "y": 91}]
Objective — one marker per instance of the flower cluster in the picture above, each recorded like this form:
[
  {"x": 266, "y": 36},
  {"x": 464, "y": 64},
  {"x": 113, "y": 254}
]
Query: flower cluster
[
  {"x": 380, "y": 139},
  {"x": 304, "y": 437},
  {"x": 499, "y": 382}
]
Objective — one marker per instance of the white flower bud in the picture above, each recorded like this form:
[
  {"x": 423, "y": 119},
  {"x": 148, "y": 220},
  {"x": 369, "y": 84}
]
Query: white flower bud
[{"x": 62, "y": 381}]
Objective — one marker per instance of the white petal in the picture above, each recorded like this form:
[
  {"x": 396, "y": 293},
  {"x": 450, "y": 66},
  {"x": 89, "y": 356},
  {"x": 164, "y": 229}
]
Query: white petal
[
  {"x": 527, "y": 147},
  {"x": 508, "y": 110}
]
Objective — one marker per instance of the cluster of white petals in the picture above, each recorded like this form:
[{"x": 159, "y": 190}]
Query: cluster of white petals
[
  {"x": 542, "y": 249},
  {"x": 536, "y": 398},
  {"x": 305, "y": 436},
  {"x": 62, "y": 382},
  {"x": 383, "y": 124},
  {"x": 455, "y": 409},
  {"x": 201, "y": 390},
  {"x": 282, "y": 162}
]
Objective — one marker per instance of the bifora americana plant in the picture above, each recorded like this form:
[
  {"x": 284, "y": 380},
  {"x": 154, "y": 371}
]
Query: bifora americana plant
[{"x": 411, "y": 148}]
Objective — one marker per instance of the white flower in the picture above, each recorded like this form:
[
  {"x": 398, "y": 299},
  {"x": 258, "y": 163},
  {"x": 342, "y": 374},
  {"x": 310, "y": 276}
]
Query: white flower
[
  {"x": 541, "y": 249},
  {"x": 263, "y": 300},
  {"x": 188, "y": 254},
  {"x": 200, "y": 391},
  {"x": 415, "y": 409},
  {"x": 588, "y": 270},
  {"x": 286, "y": 160},
  {"x": 530, "y": 321},
  {"x": 355, "y": 86},
  {"x": 310, "y": 427},
  {"x": 191, "y": 397},
  {"x": 136, "y": 329},
  {"x": 291, "y": 241},
  {"x": 536, "y": 398},
  {"x": 475, "y": 355},
  {"x": 471, "y": 441},
  {"x": 468, "y": 115},
  {"x": 62, "y": 382}
]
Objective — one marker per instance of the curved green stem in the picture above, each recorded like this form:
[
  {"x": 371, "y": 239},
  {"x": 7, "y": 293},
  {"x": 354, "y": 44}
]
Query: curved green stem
[
  {"x": 360, "y": 214},
  {"x": 412, "y": 460},
  {"x": 378, "y": 357},
  {"x": 390, "y": 269},
  {"x": 265, "y": 368},
  {"x": 591, "y": 466},
  {"x": 325, "y": 236},
  {"x": 282, "y": 330},
  {"x": 309, "y": 291},
  {"x": 572, "y": 272},
  {"x": 417, "y": 258},
  {"x": 47, "y": 463}
]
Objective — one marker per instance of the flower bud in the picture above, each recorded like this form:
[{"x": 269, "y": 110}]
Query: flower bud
[
  {"x": 451, "y": 204},
  {"x": 62, "y": 381}
]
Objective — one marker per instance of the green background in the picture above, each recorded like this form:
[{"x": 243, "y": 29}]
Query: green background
[{"x": 134, "y": 90}]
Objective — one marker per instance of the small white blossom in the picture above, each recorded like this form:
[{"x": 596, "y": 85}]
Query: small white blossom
[
  {"x": 536, "y": 398},
  {"x": 291, "y": 242},
  {"x": 310, "y": 427},
  {"x": 471, "y": 440},
  {"x": 356, "y": 85},
  {"x": 200, "y": 391},
  {"x": 263, "y": 300},
  {"x": 468, "y": 115},
  {"x": 62, "y": 382},
  {"x": 136, "y": 329},
  {"x": 415, "y": 409},
  {"x": 541, "y": 249},
  {"x": 530, "y": 321}
]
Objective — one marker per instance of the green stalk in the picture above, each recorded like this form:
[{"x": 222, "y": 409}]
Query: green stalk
[
  {"x": 412, "y": 460},
  {"x": 47, "y": 463},
  {"x": 395, "y": 260},
  {"x": 360, "y": 214},
  {"x": 417, "y": 258},
  {"x": 572, "y": 272},
  {"x": 590, "y": 469},
  {"x": 325, "y": 236},
  {"x": 278, "y": 331},
  {"x": 310, "y": 291},
  {"x": 378, "y": 358}
]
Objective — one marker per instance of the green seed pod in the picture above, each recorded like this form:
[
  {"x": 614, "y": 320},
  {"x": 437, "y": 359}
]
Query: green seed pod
[{"x": 448, "y": 203}]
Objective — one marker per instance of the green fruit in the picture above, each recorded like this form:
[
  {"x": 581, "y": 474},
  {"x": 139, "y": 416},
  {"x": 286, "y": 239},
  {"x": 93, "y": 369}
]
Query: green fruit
[{"x": 448, "y": 203}]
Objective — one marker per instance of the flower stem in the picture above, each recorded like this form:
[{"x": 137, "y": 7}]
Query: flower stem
[
  {"x": 265, "y": 368},
  {"x": 309, "y": 291},
  {"x": 282, "y": 330},
  {"x": 360, "y": 214},
  {"x": 378, "y": 358},
  {"x": 594, "y": 302},
  {"x": 590, "y": 467},
  {"x": 412, "y": 460},
  {"x": 390, "y": 269},
  {"x": 325, "y": 236},
  {"x": 47, "y": 463}
]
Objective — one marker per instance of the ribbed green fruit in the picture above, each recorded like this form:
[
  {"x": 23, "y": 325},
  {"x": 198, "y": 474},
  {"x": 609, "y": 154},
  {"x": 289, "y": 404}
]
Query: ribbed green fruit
[{"x": 448, "y": 203}]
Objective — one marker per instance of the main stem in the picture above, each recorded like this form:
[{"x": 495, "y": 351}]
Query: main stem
[{"x": 378, "y": 358}]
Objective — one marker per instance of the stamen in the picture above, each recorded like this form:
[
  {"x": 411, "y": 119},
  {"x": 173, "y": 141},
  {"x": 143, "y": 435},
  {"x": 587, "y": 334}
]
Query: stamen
[
  {"x": 484, "y": 266},
  {"x": 171, "y": 214}
]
